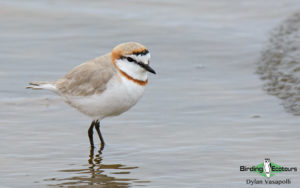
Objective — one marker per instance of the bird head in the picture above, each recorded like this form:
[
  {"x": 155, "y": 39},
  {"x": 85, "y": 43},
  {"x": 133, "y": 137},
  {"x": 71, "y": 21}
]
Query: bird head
[{"x": 133, "y": 59}]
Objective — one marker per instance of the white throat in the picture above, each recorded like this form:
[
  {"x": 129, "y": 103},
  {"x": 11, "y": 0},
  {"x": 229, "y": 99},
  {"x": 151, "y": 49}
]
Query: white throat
[{"x": 132, "y": 69}]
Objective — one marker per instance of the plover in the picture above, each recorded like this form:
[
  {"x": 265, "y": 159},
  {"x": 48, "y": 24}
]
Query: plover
[{"x": 105, "y": 86}]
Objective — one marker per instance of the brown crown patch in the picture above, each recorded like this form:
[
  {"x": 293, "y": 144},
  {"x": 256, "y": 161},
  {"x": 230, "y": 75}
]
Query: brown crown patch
[{"x": 126, "y": 49}]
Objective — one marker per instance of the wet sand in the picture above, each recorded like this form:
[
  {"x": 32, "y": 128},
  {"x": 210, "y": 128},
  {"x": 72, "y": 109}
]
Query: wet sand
[
  {"x": 203, "y": 115},
  {"x": 279, "y": 64}
]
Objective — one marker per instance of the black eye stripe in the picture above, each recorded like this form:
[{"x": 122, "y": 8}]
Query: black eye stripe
[
  {"x": 130, "y": 59},
  {"x": 141, "y": 64}
]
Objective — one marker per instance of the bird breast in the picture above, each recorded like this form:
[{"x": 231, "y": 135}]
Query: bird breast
[{"x": 119, "y": 96}]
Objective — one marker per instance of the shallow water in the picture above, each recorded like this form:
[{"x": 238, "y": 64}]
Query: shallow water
[{"x": 203, "y": 115}]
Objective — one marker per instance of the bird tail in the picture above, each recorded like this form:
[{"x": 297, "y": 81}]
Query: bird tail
[{"x": 41, "y": 85}]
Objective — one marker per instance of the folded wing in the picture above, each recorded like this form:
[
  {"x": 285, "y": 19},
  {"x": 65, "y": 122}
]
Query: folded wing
[{"x": 88, "y": 78}]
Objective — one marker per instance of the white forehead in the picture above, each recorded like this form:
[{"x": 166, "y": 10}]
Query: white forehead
[{"x": 141, "y": 58}]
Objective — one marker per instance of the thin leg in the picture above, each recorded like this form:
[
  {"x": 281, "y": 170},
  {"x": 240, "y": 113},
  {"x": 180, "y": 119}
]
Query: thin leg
[
  {"x": 91, "y": 156},
  {"x": 90, "y": 133},
  {"x": 97, "y": 126}
]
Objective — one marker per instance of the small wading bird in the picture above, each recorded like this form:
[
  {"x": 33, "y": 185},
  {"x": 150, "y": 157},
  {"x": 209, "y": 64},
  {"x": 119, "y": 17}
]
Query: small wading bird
[{"x": 105, "y": 86}]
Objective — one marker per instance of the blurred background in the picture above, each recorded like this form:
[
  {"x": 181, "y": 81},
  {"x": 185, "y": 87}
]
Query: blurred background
[{"x": 205, "y": 113}]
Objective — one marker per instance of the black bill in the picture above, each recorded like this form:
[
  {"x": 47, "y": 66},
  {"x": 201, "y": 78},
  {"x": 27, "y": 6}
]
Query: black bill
[{"x": 148, "y": 68}]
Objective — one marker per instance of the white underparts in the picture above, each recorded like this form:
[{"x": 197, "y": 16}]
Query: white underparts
[{"x": 116, "y": 99}]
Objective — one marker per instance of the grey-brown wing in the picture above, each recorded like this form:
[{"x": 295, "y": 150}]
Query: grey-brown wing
[{"x": 88, "y": 78}]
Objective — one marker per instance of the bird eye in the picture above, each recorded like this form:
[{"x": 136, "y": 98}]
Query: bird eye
[{"x": 130, "y": 59}]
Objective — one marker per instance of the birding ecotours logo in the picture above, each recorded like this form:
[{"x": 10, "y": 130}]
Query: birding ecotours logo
[{"x": 268, "y": 169}]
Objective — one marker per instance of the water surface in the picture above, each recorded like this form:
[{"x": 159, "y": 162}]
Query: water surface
[{"x": 203, "y": 115}]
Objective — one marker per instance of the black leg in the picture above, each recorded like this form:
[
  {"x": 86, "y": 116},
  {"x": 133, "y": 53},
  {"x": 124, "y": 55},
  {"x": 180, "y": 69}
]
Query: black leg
[
  {"x": 97, "y": 126},
  {"x": 90, "y": 132},
  {"x": 91, "y": 157}
]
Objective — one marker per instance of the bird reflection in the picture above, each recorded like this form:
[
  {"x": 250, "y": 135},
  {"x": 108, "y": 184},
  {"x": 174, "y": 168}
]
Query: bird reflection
[{"x": 96, "y": 175}]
